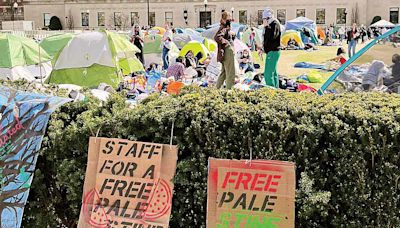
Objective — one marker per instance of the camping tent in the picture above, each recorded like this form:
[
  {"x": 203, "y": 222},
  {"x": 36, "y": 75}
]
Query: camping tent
[
  {"x": 321, "y": 33},
  {"x": 152, "y": 44},
  {"x": 22, "y": 58},
  {"x": 211, "y": 45},
  {"x": 181, "y": 40},
  {"x": 194, "y": 34},
  {"x": 383, "y": 24},
  {"x": 53, "y": 44},
  {"x": 91, "y": 58},
  {"x": 291, "y": 34},
  {"x": 213, "y": 29},
  {"x": 196, "y": 47},
  {"x": 301, "y": 22}
]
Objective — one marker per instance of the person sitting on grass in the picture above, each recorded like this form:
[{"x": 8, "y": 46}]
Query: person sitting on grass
[
  {"x": 292, "y": 44},
  {"x": 245, "y": 63},
  {"x": 190, "y": 60},
  {"x": 176, "y": 70},
  {"x": 340, "y": 56}
]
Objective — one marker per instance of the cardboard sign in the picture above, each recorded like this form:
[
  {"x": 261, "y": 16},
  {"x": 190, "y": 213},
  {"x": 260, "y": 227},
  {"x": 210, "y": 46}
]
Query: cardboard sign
[
  {"x": 260, "y": 194},
  {"x": 23, "y": 121},
  {"x": 128, "y": 184}
]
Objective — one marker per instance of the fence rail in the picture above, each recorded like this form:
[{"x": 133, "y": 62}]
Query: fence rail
[{"x": 39, "y": 34}]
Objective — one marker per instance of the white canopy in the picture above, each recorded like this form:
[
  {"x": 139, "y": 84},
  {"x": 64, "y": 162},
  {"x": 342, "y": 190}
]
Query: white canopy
[{"x": 383, "y": 24}]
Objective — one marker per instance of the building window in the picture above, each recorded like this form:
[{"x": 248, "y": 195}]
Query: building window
[
  {"x": 85, "y": 19},
  {"x": 46, "y": 19},
  {"x": 243, "y": 16},
  {"x": 341, "y": 16},
  {"x": 152, "y": 17},
  {"x": 301, "y": 13},
  {"x": 101, "y": 19},
  {"x": 394, "y": 15},
  {"x": 169, "y": 18},
  {"x": 205, "y": 19},
  {"x": 320, "y": 16},
  {"x": 134, "y": 18},
  {"x": 117, "y": 19},
  {"x": 259, "y": 17},
  {"x": 281, "y": 16}
]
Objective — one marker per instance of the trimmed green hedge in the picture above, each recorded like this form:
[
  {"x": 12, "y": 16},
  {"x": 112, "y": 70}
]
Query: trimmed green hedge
[{"x": 346, "y": 150}]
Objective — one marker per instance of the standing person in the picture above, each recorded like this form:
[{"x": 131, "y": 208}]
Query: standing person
[
  {"x": 341, "y": 32},
  {"x": 352, "y": 37},
  {"x": 225, "y": 52},
  {"x": 272, "y": 42},
  {"x": 384, "y": 30},
  {"x": 252, "y": 40},
  {"x": 137, "y": 40},
  {"x": 167, "y": 39}
]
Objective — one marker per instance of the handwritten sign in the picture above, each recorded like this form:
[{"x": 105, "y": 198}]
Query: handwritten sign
[
  {"x": 23, "y": 122},
  {"x": 260, "y": 194},
  {"x": 128, "y": 184}
]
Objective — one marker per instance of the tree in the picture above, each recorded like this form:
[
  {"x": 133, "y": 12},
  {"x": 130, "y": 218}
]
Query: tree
[
  {"x": 376, "y": 19},
  {"x": 55, "y": 23}
]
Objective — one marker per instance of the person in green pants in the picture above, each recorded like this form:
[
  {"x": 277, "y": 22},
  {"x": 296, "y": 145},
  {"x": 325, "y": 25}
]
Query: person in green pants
[
  {"x": 272, "y": 47},
  {"x": 225, "y": 52}
]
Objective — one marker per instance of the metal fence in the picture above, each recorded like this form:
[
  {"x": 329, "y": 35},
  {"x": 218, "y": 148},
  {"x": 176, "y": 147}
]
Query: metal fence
[{"x": 39, "y": 34}]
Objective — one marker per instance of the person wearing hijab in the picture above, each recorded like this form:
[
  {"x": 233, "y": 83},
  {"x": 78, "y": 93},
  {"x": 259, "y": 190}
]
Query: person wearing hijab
[
  {"x": 137, "y": 40},
  {"x": 225, "y": 52},
  {"x": 272, "y": 47}
]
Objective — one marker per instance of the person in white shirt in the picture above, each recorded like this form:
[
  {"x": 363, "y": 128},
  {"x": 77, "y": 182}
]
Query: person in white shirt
[{"x": 167, "y": 39}]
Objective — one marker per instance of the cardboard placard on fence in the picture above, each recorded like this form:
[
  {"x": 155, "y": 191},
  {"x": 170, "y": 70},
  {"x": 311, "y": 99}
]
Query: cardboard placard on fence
[
  {"x": 260, "y": 194},
  {"x": 128, "y": 184}
]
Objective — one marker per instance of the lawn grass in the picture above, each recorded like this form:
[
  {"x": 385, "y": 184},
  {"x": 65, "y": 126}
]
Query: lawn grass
[{"x": 324, "y": 53}]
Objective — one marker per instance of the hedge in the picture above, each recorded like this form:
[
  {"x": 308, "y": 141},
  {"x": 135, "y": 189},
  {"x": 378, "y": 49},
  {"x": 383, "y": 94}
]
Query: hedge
[{"x": 346, "y": 151}]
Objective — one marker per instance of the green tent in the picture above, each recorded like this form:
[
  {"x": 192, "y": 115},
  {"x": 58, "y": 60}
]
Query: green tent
[
  {"x": 152, "y": 44},
  {"x": 53, "y": 44},
  {"x": 22, "y": 57},
  {"x": 91, "y": 58}
]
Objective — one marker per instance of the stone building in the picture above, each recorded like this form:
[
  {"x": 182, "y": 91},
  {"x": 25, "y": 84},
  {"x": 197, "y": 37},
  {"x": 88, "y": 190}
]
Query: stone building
[
  {"x": 11, "y": 10},
  {"x": 121, "y": 14}
]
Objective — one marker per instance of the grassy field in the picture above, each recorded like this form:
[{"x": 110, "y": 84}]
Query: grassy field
[{"x": 289, "y": 58}]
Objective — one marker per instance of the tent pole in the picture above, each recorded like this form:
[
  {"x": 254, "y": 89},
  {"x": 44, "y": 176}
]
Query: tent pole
[{"x": 40, "y": 66}]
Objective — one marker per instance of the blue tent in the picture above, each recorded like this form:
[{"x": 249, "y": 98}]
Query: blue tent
[
  {"x": 212, "y": 30},
  {"x": 179, "y": 30},
  {"x": 302, "y": 22},
  {"x": 299, "y": 23}
]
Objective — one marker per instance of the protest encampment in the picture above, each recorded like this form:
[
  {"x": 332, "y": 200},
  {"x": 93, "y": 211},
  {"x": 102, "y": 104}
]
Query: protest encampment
[{"x": 274, "y": 118}]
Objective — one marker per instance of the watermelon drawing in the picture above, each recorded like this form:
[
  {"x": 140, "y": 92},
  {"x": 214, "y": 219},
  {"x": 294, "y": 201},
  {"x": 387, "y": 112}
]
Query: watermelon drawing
[
  {"x": 95, "y": 219},
  {"x": 160, "y": 202}
]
